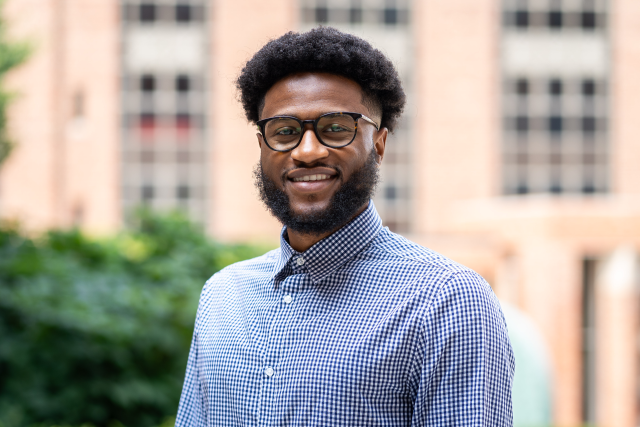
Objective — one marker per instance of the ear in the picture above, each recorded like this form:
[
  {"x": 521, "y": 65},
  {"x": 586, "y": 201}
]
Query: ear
[
  {"x": 259, "y": 136},
  {"x": 380, "y": 143}
]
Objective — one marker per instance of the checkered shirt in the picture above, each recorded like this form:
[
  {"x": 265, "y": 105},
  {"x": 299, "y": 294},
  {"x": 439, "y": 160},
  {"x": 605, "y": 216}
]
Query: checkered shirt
[{"x": 365, "y": 328}]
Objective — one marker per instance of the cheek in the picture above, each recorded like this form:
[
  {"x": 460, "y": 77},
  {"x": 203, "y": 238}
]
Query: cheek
[
  {"x": 362, "y": 146},
  {"x": 271, "y": 166},
  {"x": 360, "y": 152}
]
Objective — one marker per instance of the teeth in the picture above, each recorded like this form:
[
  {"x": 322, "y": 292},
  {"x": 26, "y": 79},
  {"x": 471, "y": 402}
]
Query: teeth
[{"x": 317, "y": 177}]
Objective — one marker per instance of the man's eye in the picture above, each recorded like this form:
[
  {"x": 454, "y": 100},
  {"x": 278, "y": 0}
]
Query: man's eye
[
  {"x": 286, "y": 131},
  {"x": 334, "y": 128}
]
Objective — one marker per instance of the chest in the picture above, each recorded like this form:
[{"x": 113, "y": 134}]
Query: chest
[{"x": 298, "y": 351}]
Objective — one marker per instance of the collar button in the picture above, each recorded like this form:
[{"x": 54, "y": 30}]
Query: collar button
[{"x": 300, "y": 261}]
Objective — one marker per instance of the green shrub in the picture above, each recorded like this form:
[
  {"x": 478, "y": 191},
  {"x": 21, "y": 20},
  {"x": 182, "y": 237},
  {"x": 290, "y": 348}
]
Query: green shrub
[{"x": 98, "y": 331}]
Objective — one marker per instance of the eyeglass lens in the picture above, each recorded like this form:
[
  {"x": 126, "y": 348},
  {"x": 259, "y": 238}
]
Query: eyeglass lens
[{"x": 334, "y": 130}]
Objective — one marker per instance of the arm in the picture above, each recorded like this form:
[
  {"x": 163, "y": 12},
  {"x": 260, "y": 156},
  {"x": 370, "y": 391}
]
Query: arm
[
  {"x": 191, "y": 412},
  {"x": 465, "y": 365}
]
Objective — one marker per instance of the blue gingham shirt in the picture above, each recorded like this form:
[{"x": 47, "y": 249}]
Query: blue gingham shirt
[{"x": 365, "y": 328}]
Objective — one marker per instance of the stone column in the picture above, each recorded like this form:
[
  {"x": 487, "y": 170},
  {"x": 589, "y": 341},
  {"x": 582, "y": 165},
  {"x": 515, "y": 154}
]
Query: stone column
[
  {"x": 550, "y": 293},
  {"x": 617, "y": 339}
]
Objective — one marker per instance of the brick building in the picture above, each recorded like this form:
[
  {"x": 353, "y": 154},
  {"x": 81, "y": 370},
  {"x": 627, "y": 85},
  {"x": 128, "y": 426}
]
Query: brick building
[{"x": 515, "y": 155}]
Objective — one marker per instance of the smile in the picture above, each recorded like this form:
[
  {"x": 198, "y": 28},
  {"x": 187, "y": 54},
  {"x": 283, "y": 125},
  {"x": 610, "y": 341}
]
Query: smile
[{"x": 318, "y": 177}]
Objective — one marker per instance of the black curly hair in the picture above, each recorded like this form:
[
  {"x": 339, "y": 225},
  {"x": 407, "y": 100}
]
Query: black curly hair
[{"x": 323, "y": 49}]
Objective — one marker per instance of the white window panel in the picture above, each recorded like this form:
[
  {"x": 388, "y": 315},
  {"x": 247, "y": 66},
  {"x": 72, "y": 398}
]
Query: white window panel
[{"x": 165, "y": 49}]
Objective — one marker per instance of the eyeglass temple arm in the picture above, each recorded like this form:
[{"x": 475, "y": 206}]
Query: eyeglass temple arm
[{"x": 371, "y": 121}]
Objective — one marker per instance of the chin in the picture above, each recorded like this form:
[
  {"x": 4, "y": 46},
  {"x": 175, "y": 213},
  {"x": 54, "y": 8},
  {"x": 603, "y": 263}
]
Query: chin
[{"x": 309, "y": 208}]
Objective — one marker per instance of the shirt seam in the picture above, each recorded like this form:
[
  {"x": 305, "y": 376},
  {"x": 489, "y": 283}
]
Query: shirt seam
[{"x": 423, "y": 327}]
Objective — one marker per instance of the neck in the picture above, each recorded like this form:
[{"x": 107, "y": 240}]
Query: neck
[{"x": 301, "y": 242}]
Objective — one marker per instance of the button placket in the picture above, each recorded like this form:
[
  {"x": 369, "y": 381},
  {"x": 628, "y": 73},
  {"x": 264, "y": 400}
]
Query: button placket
[{"x": 278, "y": 342}]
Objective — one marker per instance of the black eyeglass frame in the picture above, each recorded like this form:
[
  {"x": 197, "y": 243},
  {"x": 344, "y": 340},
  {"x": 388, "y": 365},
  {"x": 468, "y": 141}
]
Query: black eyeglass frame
[{"x": 261, "y": 126}]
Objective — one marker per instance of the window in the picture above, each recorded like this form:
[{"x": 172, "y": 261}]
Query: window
[
  {"x": 522, "y": 188},
  {"x": 555, "y": 131},
  {"x": 522, "y": 18},
  {"x": 147, "y": 83},
  {"x": 355, "y": 14},
  {"x": 147, "y": 12},
  {"x": 182, "y": 83},
  {"x": 555, "y": 189},
  {"x": 555, "y": 19},
  {"x": 148, "y": 192},
  {"x": 588, "y": 126},
  {"x": 555, "y": 87},
  {"x": 147, "y": 126},
  {"x": 322, "y": 14},
  {"x": 588, "y": 20},
  {"x": 183, "y": 126},
  {"x": 390, "y": 15},
  {"x": 390, "y": 193},
  {"x": 522, "y": 87},
  {"x": 555, "y": 119},
  {"x": 183, "y": 13},
  {"x": 556, "y": 125},
  {"x": 522, "y": 124},
  {"x": 553, "y": 16},
  {"x": 164, "y": 106},
  {"x": 182, "y": 192},
  {"x": 588, "y": 88},
  {"x": 180, "y": 12}
]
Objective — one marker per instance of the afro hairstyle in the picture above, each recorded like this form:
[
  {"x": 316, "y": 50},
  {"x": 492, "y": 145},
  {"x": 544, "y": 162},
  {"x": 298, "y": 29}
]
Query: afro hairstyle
[{"x": 323, "y": 49}]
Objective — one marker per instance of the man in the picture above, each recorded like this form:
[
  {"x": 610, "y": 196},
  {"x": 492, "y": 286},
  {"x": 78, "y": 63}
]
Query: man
[{"x": 347, "y": 323}]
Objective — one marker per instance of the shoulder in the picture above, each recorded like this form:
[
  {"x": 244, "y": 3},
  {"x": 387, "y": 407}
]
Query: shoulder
[
  {"x": 443, "y": 278},
  {"x": 242, "y": 274},
  {"x": 247, "y": 268},
  {"x": 389, "y": 247},
  {"x": 431, "y": 275},
  {"x": 244, "y": 270}
]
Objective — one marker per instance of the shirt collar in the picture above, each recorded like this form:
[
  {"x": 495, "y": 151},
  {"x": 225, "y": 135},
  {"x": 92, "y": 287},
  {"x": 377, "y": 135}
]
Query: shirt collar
[{"x": 333, "y": 251}]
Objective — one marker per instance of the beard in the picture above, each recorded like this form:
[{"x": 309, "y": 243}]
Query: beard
[{"x": 343, "y": 206}]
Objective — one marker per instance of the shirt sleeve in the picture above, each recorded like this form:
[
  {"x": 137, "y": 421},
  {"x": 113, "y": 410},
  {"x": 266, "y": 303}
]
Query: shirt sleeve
[
  {"x": 192, "y": 409},
  {"x": 465, "y": 366}
]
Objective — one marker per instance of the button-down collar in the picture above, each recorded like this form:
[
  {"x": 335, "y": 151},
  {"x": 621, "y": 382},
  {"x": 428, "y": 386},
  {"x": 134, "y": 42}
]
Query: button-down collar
[{"x": 333, "y": 251}]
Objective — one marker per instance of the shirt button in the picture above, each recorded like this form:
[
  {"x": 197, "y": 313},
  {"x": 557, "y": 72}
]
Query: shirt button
[
  {"x": 287, "y": 299},
  {"x": 300, "y": 261},
  {"x": 268, "y": 372}
]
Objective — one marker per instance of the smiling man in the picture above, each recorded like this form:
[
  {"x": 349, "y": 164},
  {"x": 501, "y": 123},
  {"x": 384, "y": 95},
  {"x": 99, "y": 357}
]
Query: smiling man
[{"x": 347, "y": 323}]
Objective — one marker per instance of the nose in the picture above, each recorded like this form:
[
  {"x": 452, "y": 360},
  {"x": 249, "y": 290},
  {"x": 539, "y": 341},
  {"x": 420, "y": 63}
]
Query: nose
[{"x": 310, "y": 150}]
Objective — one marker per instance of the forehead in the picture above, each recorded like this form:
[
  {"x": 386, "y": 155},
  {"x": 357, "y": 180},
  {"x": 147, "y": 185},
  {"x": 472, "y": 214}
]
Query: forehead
[{"x": 308, "y": 95}]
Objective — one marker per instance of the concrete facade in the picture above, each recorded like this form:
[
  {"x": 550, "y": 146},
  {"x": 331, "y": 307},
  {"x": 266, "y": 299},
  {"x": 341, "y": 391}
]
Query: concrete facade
[
  {"x": 65, "y": 169},
  {"x": 531, "y": 248}
]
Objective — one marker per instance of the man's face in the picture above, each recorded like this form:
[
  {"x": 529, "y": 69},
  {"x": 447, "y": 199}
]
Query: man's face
[{"x": 347, "y": 175}]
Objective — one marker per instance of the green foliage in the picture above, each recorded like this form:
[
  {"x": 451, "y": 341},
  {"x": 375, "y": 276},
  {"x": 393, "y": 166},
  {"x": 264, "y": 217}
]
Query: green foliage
[
  {"x": 98, "y": 331},
  {"x": 12, "y": 54}
]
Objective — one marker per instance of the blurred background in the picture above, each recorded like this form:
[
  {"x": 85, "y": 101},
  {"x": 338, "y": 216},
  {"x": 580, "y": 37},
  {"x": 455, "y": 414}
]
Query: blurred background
[{"x": 515, "y": 156}]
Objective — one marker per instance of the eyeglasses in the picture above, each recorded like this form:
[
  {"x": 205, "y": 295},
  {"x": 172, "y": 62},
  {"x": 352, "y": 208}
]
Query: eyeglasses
[{"x": 335, "y": 130}]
